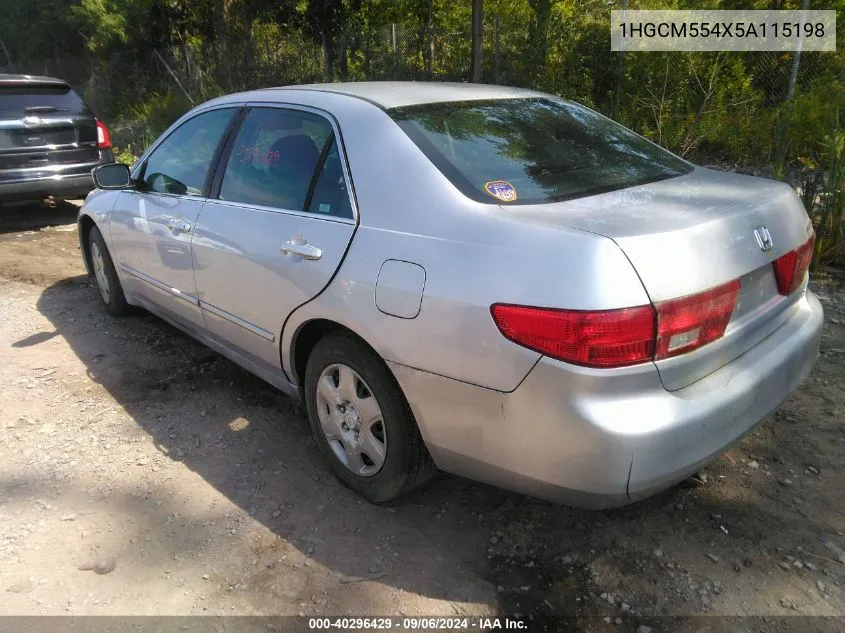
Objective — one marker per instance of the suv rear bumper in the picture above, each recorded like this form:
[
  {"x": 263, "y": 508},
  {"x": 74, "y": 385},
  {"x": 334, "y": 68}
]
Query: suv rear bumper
[
  {"x": 60, "y": 181},
  {"x": 60, "y": 187},
  {"x": 604, "y": 438}
]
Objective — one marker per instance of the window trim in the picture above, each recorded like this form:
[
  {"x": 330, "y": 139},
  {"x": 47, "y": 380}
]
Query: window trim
[
  {"x": 215, "y": 179},
  {"x": 291, "y": 212},
  {"x": 315, "y": 177},
  {"x": 137, "y": 174},
  {"x": 214, "y": 193}
]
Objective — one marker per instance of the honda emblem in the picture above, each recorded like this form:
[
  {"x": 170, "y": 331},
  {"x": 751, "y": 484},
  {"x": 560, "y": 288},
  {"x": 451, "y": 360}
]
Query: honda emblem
[{"x": 764, "y": 238}]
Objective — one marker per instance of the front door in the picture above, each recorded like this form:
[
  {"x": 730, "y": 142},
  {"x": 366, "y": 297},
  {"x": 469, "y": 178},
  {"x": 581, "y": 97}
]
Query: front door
[
  {"x": 273, "y": 236},
  {"x": 152, "y": 225}
]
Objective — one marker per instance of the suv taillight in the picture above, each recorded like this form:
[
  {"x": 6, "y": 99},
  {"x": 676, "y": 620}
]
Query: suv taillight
[
  {"x": 617, "y": 338},
  {"x": 103, "y": 138},
  {"x": 791, "y": 268}
]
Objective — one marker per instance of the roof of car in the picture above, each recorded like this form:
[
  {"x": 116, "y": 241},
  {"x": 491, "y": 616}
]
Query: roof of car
[
  {"x": 31, "y": 80},
  {"x": 397, "y": 94}
]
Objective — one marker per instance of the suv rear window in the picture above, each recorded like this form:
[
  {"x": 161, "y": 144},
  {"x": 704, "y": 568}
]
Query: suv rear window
[
  {"x": 532, "y": 151},
  {"x": 16, "y": 99}
]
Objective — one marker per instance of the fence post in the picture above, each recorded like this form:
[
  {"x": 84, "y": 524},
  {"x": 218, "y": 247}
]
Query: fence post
[
  {"x": 393, "y": 43},
  {"x": 796, "y": 56}
]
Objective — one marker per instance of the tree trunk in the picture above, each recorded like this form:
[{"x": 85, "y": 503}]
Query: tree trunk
[
  {"x": 477, "y": 40},
  {"x": 328, "y": 56},
  {"x": 538, "y": 31},
  {"x": 619, "y": 76}
]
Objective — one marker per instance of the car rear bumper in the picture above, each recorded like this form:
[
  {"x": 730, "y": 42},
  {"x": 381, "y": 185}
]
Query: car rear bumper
[
  {"x": 60, "y": 181},
  {"x": 604, "y": 438}
]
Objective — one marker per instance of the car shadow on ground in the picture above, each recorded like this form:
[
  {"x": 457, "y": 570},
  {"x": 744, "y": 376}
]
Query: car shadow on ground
[
  {"x": 35, "y": 216},
  {"x": 453, "y": 539}
]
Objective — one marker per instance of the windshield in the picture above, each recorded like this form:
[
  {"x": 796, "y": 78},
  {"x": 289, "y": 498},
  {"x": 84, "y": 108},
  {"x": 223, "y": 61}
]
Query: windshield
[{"x": 532, "y": 151}]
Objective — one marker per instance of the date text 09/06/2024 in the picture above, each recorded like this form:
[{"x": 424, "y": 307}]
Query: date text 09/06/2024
[{"x": 417, "y": 624}]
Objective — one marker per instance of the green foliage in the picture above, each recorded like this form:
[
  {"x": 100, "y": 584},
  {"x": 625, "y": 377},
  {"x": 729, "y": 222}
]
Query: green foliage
[
  {"x": 781, "y": 140},
  {"x": 30, "y": 29},
  {"x": 829, "y": 208},
  {"x": 107, "y": 22},
  {"x": 159, "y": 111},
  {"x": 814, "y": 116},
  {"x": 125, "y": 155}
]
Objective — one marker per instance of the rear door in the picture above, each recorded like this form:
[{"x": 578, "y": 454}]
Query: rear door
[
  {"x": 151, "y": 226},
  {"x": 277, "y": 230},
  {"x": 44, "y": 128}
]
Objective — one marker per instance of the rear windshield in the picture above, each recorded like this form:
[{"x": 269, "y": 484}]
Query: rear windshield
[
  {"x": 20, "y": 100},
  {"x": 532, "y": 151}
]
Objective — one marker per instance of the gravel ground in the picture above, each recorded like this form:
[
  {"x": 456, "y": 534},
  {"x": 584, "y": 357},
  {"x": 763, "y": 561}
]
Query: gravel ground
[{"x": 141, "y": 473}]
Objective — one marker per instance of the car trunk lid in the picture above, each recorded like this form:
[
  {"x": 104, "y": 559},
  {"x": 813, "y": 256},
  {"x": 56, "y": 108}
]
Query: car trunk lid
[{"x": 687, "y": 234}]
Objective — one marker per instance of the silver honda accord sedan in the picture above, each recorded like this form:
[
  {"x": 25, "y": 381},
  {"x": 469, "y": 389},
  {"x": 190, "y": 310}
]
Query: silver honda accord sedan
[{"x": 494, "y": 282}]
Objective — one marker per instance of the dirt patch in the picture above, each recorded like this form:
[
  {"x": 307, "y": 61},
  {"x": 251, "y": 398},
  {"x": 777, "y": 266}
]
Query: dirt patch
[
  {"x": 141, "y": 473},
  {"x": 39, "y": 245}
]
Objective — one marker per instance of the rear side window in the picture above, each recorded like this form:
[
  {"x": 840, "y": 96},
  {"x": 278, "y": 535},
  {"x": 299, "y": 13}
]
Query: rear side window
[
  {"x": 532, "y": 151},
  {"x": 19, "y": 100},
  {"x": 274, "y": 158},
  {"x": 330, "y": 195}
]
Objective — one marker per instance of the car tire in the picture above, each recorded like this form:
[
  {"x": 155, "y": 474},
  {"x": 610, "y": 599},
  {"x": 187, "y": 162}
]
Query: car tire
[
  {"x": 405, "y": 462},
  {"x": 105, "y": 276}
]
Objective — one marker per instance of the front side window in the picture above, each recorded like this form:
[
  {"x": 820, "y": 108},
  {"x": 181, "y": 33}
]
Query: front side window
[
  {"x": 275, "y": 157},
  {"x": 532, "y": 151},
  {"x": 181, "y": 162}
]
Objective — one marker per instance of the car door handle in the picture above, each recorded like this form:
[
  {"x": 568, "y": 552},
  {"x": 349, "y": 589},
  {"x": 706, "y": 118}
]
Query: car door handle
[
  {"x": 178, "y": 225},
  {"x": 300, "y": 246}
]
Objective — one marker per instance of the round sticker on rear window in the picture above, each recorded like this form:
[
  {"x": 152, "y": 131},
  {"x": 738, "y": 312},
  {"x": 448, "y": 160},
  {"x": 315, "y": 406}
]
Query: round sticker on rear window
[{"x": 501, "y": 189}]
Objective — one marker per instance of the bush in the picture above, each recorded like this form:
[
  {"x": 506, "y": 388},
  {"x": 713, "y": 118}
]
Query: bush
[{"x": 829, "y": 205}]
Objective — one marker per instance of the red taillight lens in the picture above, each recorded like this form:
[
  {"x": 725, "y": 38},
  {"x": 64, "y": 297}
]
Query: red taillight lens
[
  {"x": 617, "y": 338},
  {"x": 689, "y": 322},
  {"x": 791, "y": 268},
  {"x": 610, "y": 338},
  {"x": 103, "y": 138}
]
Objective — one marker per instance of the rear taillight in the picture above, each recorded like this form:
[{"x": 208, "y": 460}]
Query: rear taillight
[
  {"x": 609, "y": 338},
  {"x": 791, "y": 268},
  {"x": 617, "y": 338},
  {"x": 689, "y": 322},
  {"x": 103, "y": 138}
]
